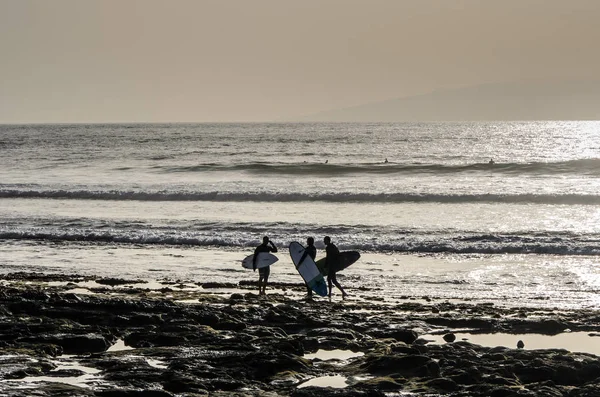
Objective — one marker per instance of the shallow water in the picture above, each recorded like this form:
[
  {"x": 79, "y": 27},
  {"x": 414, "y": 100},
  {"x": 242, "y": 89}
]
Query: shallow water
[
  {"x": 189, "y": 201},
  {"x": 333, "y": 381},
  {"x": 88, "y": 379},
  {"x": 577, "y": 342},
  {"x": 569, "y": 282},
  {"x": 326, "y": 355}
]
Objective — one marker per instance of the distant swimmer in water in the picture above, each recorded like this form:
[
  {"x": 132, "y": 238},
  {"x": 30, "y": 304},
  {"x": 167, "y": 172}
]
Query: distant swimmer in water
[
  {"x": 385, "y": 160},
  {"x": 491, "y": 162}
]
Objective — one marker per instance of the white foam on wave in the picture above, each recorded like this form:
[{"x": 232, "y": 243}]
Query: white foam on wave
[{"x": 292, "y": 197}]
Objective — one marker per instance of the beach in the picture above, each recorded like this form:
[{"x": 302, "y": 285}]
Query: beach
[{"x": 74, "y": 335}]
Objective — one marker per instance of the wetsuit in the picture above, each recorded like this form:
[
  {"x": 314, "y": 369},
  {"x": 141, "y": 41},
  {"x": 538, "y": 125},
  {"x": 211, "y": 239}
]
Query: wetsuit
[
  {"x": 332, "y": 260},
  {"x": 263, "y": 271},
  {"x": 311, "y": 251}
]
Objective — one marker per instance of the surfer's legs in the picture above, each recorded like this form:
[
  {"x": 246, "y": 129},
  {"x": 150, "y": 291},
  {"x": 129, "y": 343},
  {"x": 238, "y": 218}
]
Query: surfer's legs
[
  {"x": 260, "y": 282},
  {"x": 308, "y": 291},
  {"x": 263, "y": 279},
  {"x": 337, "y": 284},
  {"x": 332, "y": 280}
]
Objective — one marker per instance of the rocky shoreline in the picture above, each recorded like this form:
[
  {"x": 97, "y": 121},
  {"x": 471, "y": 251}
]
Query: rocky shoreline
[{"x": 121, "y": 339}]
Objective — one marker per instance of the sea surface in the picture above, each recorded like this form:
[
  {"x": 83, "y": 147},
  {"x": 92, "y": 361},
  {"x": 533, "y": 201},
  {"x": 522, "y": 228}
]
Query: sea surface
[{"x": 421, "y": 202}]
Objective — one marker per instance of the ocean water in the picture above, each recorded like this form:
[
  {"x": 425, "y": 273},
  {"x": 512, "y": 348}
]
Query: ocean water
[{"x": 420, "y": 201}]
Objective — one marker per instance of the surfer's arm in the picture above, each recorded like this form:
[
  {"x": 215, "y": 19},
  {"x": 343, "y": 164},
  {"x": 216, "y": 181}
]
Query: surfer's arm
[
  {"x": 302, "y": 259},
  {"x": 273, "y": 248},
  {"x": 254, "y": 259}
]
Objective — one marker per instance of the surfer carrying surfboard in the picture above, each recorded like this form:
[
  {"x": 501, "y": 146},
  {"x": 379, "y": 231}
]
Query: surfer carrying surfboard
[
  {"x": 263, "y": 273},
  {"x": 311, "y": 251},
  {"x": 332, "y": 260}
]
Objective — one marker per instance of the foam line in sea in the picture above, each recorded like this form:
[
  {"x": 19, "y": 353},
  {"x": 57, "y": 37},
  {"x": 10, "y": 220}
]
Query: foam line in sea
[{"x": 579, "y": 199}]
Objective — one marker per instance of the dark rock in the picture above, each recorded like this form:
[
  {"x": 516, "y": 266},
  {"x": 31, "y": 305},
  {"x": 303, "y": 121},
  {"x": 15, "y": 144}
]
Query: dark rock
[
  {"x": 450, "y": 337},
  {"x": 132, "y": 393},
  {"x": 64, "y": 373},
  {"x": 117, "y": 281},
  {"x": 469, "y": 376},
  {"x": 26, "y": 307},
  {"x": 230, "y": 325},
  {"x": 262, "y": 365},
  {"x": 403, "y": 348},
  {"x": 332, "y": 332},
  {"x": 531, "y": 374},
  {"x": 443, "y": 384},
  {"x": 547, "y": 391},
  {"x": 206, "y": 318},
  {"x": 402, "y": 335},
  {"x": 223, "y": 384},
  {"x": 72, "y": 344},
  {"x": 218, "y": 285},
  {"x": 380, "y": 384},
  {"x": 505, "y": 392},
  {"x": 181, "y": 383},
  {"x": 413, "y": 365},
  {"x": 329, "y": 392},
  {"x": 143, "y": 319},
  {"x": 236, "y": 297},
  {"x": 590, "y": 372},
  {"x": 498, "y": 380},
  {"x": 452, "y": 322},
  {"x": 146, "y": 339}
]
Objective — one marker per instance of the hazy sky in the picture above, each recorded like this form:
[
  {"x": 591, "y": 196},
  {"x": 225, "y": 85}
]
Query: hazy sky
[{"x": 254, "y": 60}]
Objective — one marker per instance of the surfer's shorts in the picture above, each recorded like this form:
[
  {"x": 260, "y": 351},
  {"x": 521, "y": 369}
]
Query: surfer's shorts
[{"x": 264, "y": 271}]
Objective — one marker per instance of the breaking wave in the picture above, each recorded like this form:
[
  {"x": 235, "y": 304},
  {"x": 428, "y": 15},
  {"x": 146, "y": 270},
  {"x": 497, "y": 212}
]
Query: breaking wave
[
  {"x": 344, "y": 197},
  {"x": 590, "y": 167},
  {"x": 551, "y": 244}
]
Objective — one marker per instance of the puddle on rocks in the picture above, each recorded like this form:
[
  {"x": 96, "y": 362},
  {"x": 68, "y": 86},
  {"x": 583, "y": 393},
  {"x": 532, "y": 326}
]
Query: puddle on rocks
[
  {"x": 87, "y": 379},
  {"x": 334, "y": 381},
  {"x": 326, "y": 355},
  {"x": 79, "y": 291},
  {"x": 82, "y": 376},
  {"x": 85, "y": 287},
  {"x": 581, "y": 342},
  {"x": 156, "y": 363},
  {"x": 119, "y": 346},
  {"x": 188, "y": 301}
]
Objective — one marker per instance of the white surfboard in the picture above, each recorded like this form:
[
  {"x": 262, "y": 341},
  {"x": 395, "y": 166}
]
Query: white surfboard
[
  {"x": 264, "y": 259},
  {"x": 308, "y": 269}
]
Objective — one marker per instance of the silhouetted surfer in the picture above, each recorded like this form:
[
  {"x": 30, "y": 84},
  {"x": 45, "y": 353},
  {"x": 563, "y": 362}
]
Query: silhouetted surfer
[
  {"x": 332, "y": 262},
  {"x": 311, "y": 251},
  {"x": 491, "y": 162},
  {"x": 263, "y": 272}
]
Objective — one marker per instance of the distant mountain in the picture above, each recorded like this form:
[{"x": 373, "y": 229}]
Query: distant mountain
[{"x": 511, "y": 101}]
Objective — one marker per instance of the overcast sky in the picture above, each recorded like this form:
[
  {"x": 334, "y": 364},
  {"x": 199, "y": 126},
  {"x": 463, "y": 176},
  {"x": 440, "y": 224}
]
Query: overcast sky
[{"x": 255, "y": 60}]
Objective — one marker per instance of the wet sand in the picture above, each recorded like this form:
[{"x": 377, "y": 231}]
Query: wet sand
[{"x": 65, "y": 334}]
